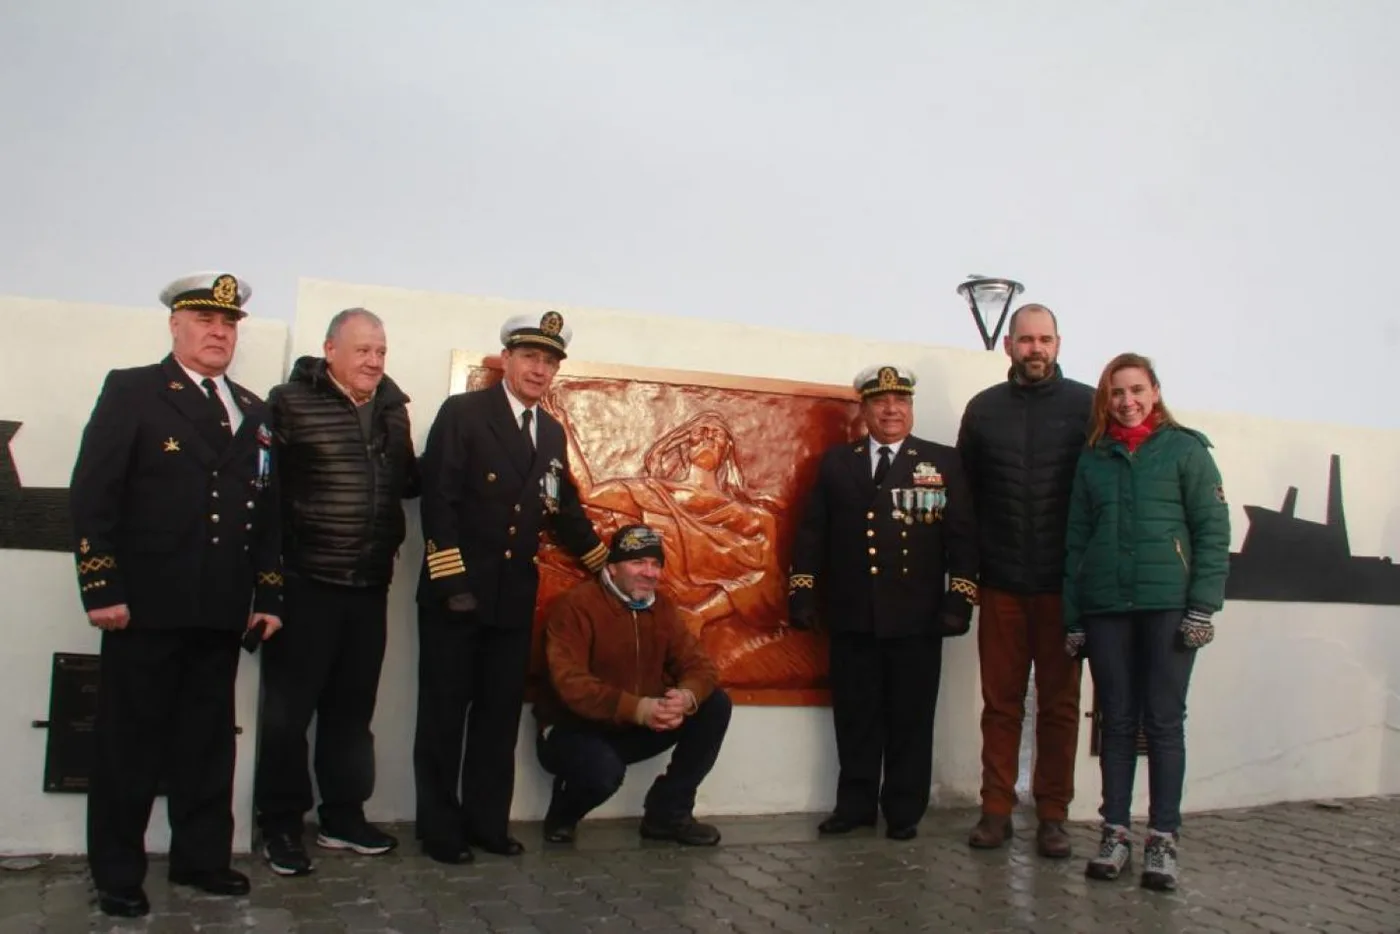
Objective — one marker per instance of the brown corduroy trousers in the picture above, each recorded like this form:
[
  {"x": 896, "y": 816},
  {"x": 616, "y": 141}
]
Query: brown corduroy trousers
[{"x": 1013, "y": 632}]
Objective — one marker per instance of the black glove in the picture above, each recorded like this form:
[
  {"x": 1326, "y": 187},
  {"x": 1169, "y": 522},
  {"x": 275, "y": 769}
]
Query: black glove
[
  {"x": 461, "y": 603},
  {"x": 802, "y": 607},
  {"x": 955, "y": 618}
]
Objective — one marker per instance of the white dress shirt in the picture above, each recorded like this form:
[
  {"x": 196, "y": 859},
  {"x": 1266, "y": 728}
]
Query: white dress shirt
[
  {"x": 519, "y": 408},
  {"x": 875, "y": 446},
  {"x": 225, "y": 394}
]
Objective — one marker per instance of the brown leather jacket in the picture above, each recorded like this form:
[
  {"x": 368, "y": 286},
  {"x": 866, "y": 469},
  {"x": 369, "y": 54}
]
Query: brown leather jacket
[{"x": 603, "y": 658}]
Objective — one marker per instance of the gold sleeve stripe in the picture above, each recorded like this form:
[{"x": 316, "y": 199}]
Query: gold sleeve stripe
[
  {"x": 963, "y": 586},
  {"x": 446, "y": 562},
  {"x": 97, "y": 563},
  {"x": 596, "y": 557},
  {"x": 448, "y": 570},
  {"x": 798, "y": 582},
  {"x": 269, "y": 579}
]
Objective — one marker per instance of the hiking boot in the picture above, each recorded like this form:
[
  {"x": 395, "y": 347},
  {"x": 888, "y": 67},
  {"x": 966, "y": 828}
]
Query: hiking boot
[
  {"x": 286, "y": 854},
  {"x": 1159, "y": 865},
  {"x": 1115, "y": 853},
  {"x": 1052, "y": 841},
  {"x": 361, "y": 836},
  {"x": 992, "y": 831},
  {"x": 686, "y": 831}
]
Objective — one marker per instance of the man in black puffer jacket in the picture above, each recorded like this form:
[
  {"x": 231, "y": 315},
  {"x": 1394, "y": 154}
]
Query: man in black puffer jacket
[
  {"x": 346, "y": 462},
  {"x": 1020, "y": 441}
]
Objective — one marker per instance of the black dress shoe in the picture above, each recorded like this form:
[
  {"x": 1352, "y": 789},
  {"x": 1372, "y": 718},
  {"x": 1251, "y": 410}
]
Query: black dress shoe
[
  {"x": 838, "y": 824},
  {"x": 123, "y": 903},
  {"x": 501, "y": 846},
  {"x": 903, "y": 832},
  {"x": 451, "y": 854},
  {"x": 214, "y": 881}
]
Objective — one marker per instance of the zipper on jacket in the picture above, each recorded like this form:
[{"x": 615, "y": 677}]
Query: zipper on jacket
[
  {"x": 637, "y": 665},
  {"x": 1181, "y": 554}
]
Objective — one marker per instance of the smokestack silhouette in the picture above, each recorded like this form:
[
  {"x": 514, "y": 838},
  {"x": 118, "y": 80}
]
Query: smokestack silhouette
[{"x": 1336, "y": 514}]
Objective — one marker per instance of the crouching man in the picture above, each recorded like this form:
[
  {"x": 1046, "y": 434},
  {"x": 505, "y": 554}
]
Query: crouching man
[{"x": 627, "y": 681}]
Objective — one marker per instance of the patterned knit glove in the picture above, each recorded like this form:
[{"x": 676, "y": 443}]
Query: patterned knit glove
[
  {"x": 1196, "y": 629},
  {"x": 1074, "y": 644}
]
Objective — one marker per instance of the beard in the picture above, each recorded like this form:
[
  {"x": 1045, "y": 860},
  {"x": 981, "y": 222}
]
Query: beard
[{"x": 1034, "y": 369}]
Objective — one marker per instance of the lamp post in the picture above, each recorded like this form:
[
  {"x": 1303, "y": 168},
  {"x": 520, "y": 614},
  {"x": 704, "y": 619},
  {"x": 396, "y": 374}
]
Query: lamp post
[{"x": 984, "y": 295}]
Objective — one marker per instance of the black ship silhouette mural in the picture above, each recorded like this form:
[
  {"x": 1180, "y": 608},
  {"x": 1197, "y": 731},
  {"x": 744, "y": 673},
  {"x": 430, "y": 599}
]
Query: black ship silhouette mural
[
  {"x": 1290, "y": 560},
  {"x": 31, "y": 518}
]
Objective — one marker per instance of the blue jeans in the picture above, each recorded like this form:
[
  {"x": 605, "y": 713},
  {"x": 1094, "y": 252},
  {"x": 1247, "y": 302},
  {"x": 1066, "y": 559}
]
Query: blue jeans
[{"x": 1141, "y": 675}]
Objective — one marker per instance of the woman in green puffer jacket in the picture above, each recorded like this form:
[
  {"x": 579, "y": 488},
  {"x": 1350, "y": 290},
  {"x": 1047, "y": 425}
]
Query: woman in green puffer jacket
[{"x": 1148, "y": 550}]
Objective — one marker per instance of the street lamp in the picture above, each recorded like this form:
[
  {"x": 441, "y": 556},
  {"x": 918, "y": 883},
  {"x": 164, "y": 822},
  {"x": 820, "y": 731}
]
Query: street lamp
[{"x": 983, "y": 296}]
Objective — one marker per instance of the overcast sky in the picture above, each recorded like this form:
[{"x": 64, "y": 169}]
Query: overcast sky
[{"x": 1211, "y": 183}]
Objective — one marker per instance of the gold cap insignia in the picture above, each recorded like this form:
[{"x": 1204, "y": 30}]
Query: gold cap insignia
[
  {"x": 638, "y": 538},
  {"x": 889, "y": 378},
  {"x": 552, "y": 323},
  {"x": 226, "y": 289}
]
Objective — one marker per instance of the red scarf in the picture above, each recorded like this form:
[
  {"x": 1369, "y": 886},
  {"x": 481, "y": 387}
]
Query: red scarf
[{"x": 1130, "y": 438}]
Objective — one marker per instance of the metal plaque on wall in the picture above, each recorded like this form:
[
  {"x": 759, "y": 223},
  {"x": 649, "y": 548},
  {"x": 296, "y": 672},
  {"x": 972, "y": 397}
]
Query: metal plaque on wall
[{"x": 72, "y": 716}]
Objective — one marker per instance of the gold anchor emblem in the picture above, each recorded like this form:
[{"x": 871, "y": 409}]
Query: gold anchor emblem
[
  {"x": 177, "y": 386},
  {"x": 171, "y": 446},
  {"x": 225, "y": 289}
]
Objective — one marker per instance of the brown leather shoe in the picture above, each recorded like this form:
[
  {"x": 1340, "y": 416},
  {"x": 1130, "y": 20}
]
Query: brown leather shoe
[
  {"x": 1051, "y": 839},
  {"x": 992, "y": 831}
]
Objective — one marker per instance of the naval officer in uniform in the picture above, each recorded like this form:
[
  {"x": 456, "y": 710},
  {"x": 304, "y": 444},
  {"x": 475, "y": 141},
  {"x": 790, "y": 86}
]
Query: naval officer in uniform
[
  {"x": 174, "y": 507},
  {"x": 495, "y": 477},
  {"x": 885, "y": 559}
]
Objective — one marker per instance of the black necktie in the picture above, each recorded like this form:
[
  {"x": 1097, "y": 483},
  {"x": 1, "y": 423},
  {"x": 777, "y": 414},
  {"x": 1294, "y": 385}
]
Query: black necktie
[
  {"x": 525, "y": 418},
  {"x": 212, "y": 392},
  {"x": 882, "y": 466}
]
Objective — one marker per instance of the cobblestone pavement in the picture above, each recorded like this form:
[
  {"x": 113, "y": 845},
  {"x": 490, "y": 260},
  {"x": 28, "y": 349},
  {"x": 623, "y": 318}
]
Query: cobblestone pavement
[{"x": 1283, "y": 868}]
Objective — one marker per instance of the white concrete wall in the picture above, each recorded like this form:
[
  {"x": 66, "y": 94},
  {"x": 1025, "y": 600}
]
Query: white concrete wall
[
  {"x": 1292, "y": 701},
  {"x": 53, "y": 359}
]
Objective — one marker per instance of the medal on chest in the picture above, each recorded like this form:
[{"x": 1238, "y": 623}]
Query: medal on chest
[
  {"x": 549, "y": 486},
  {"x": 264, "y": 456}
]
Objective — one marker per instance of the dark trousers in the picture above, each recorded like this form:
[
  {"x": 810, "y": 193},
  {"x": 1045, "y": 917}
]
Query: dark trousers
[
  {"x": 325, "y": 662},
  {"x": 884, "y": 693},
  {"x": 1014, "y": 631},
  {"x": 473, "y": 676},
  {"x": 164, "y": 704},
  {"x": 1141, "y": 675},
  {"x": 588, "y": 763}
]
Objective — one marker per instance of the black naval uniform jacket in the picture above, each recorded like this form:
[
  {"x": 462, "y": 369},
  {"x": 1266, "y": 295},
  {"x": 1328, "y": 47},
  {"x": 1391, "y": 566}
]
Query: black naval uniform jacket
[
  {"x": 170, "y": 518},
  {"x": 863, "y": 568},
  {"x": 484, "y": 509}
]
